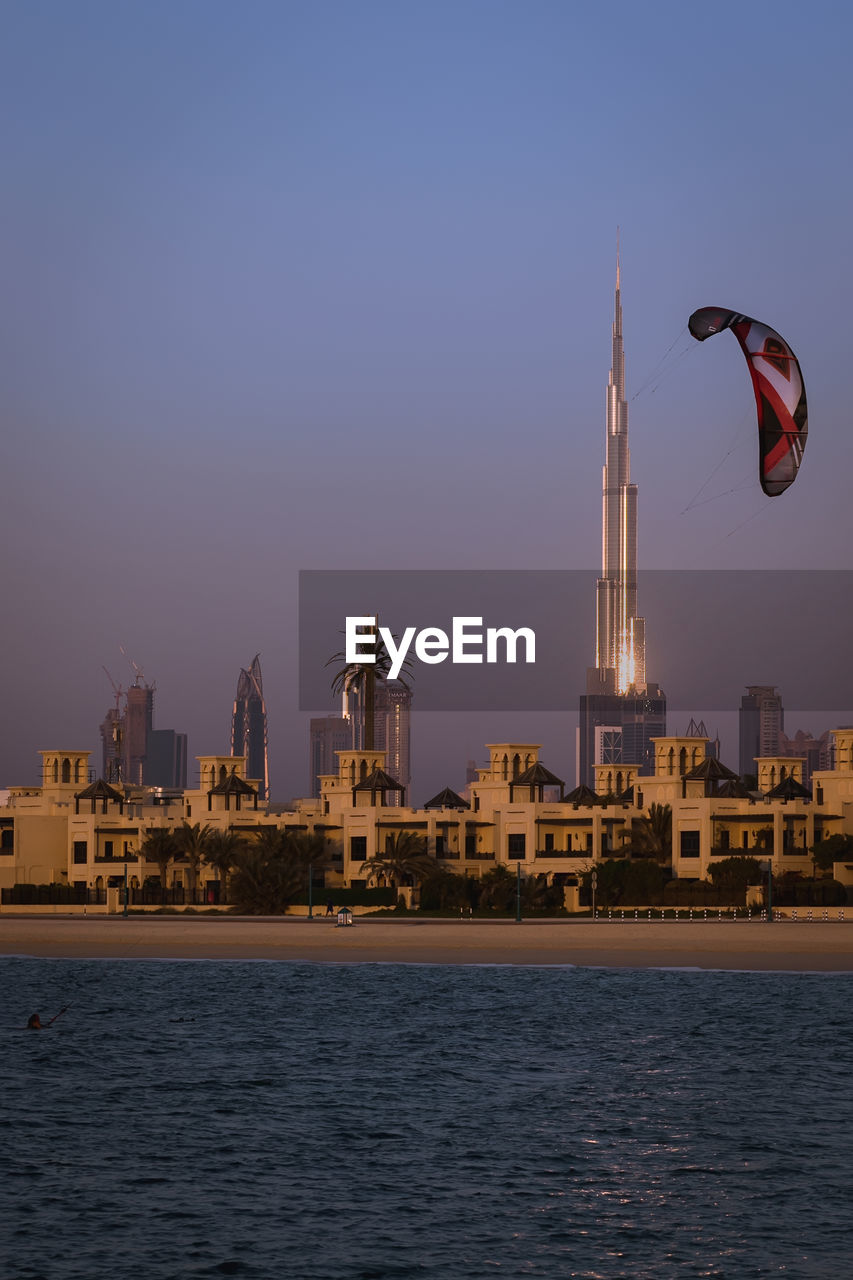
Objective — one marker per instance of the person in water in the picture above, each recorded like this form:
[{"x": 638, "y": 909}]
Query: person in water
[{"x": 35, "y": 1023}]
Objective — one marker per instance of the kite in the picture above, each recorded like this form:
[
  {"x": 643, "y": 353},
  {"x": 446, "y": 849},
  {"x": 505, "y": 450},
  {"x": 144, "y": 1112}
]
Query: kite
[{"x": 780, "y": 394}]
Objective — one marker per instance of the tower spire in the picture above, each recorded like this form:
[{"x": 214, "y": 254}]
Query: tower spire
[{"x": 620, "y": 647}]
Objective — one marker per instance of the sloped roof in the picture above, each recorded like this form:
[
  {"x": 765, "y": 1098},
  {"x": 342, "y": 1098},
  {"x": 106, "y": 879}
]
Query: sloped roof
[
  {"x": 538, "y": 776},
  {"x": 713, "y": 770},
  {"x": 378, "y": 780},
  {"x": 232, "y": 786},
  {"x": 732, "y": 789},
  {"x": 100, "y": 790},
  {"x": 447, "y": 799},
  {"x": 627, "y": 796},
  {"x": 583, "y": 795},
  {"x": 790, "y": 789}
]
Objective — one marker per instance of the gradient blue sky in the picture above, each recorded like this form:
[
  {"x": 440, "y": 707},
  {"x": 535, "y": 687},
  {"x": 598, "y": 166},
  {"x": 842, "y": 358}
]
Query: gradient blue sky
[{"x": 329, "y": 285}]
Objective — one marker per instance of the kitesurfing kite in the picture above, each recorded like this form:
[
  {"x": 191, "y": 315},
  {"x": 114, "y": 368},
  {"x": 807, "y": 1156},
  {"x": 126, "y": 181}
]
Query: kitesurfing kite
[{"x": 780, "y": 394}]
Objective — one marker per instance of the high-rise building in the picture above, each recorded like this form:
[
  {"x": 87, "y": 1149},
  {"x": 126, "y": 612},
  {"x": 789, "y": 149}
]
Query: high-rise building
[
  {"x": 166, "y": 759},
  {"x": 392, "y": 730},
  {"x": 133, "y": 751},
  {"x": 112, "y": 745},
  {"x": 762, "y": 719},
  {"x": 138, "y": 722},
  {"x": 329, "y": 734},
  {"x": 621, "y": 711},
  {"x": 818, "y": 754},
  {"x": 249, "y": 726}
]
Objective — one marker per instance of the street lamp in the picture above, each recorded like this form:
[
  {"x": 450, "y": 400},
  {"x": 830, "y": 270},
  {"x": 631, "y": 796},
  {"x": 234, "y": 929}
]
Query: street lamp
[{"x": 518, "y": 893}]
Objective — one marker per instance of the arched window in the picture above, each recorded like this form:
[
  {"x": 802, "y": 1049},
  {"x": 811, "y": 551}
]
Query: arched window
[
  {"x": 619, "y": 787},
  {"x": 516, "y": 765},
  {"x": 66, "y": 769},
  {"x": 213, "y": 775},
  {"x": 682, "y": 761},
  {"x": 772, "y": 776},
  {"x": 223, "y": 775},
  {"x": 671, "y": 761},
  {"x": 506, "y": 766},
  {"x": 352, "y": 773},
  {"x": 56, "y": 771},
  {"x": 362, "y": 771},
  {"x": 77, "y": 769},
  {"x": 783, "y": 773}
]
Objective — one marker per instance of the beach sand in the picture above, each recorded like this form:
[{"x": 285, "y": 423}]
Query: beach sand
[{"x": 815, "y": 946}]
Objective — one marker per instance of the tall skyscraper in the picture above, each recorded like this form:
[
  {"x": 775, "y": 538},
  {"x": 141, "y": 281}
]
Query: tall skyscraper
[
  {"x": 761, "y": 721},
  {"x": 134, "y": 752},
  {"x": 166, "y": 759},
  {"x": 392, "y": 729},
  {"x": 620, "y": 712},
  {"x": 138, "y": 722},
  {"x": 249, "y": 726},
  {"x": 620, "y": 643}
]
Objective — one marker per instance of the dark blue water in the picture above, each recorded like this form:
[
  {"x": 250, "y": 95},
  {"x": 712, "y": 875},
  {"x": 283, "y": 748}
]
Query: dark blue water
[{"x": 374, "y": 1121}]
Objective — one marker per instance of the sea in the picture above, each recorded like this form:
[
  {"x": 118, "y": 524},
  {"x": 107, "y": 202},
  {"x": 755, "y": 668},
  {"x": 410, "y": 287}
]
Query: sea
[{"x": 387, "y": 1121}]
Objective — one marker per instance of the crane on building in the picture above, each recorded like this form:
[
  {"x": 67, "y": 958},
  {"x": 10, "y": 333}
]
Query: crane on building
[{"x": 115, "y": 760}]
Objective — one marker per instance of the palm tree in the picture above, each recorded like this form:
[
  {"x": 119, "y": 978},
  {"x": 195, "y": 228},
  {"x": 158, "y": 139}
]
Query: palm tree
[
  {"x": 270, "y": 870},
  {"x": 498, "y": 888},
  {"x": 362, "y": 676},
  {"x": 405, "y": 860},
  {"x": 652, "y": 836},
  {"x": 221, "y": 852},
  {"x": 159, "y": 845},
  {"x": 193, "y": 840}
]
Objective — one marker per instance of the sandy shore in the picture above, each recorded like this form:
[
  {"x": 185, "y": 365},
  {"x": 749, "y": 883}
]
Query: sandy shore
[{"x": 802, "y": 946}]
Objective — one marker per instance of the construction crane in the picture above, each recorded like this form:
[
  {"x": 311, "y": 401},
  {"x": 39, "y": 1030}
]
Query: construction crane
[
  {"x": 117, "y": 689},
  {"x": 137, "y": 671}
]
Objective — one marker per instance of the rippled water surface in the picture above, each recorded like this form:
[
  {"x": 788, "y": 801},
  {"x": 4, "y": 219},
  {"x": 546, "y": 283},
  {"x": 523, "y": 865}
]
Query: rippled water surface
[{"x": 373, "y": 1121}]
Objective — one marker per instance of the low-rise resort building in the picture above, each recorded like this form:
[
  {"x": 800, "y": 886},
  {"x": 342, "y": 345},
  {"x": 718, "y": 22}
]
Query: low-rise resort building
[{"x": 91, "y": 837}]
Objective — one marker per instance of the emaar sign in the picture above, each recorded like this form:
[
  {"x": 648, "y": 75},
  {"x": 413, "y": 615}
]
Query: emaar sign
[{"x": 466, "y": 643}]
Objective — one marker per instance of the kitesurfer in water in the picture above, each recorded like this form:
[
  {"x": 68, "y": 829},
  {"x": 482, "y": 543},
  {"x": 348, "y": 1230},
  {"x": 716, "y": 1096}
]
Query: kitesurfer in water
[{"x": 35, "y": 1023}]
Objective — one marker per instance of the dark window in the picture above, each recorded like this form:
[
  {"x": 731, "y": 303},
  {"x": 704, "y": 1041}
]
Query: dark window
[
  {"x": 440, "y": 842},
  {"x": 470, "y": 846},
  {"x": 690, "y": 844},
  {"x": 358, "y": 848},
  {"x": 549, "y": 842},
  {"x": 744, "y": 840},
  {"x": 108, "y": 848},
  {"x": 80, "y": 851},
  {"x": 725, "y": 839},
  {"x": 7, "y": 839},
  {"x": 517, "y": 845}
]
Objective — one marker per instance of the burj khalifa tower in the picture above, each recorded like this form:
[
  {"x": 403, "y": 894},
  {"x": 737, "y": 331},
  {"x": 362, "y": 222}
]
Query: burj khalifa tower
[
  {"x": 620, "y": 712},
  {"x": 620, "y": 648}
]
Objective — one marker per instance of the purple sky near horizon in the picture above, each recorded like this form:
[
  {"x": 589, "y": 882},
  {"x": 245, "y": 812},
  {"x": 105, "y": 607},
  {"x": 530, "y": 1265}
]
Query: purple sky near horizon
[{"x": 325, "y": 285}]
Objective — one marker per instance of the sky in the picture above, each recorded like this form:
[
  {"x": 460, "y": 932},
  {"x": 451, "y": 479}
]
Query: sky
[{"x": 324, "y": 285}]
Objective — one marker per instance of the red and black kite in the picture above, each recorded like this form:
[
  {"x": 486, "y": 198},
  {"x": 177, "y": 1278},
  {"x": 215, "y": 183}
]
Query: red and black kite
[{"x": 780, "y": 392}]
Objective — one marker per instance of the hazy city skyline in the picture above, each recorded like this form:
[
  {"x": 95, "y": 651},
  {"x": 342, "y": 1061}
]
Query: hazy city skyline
[{"x": 295, "y": 287}]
